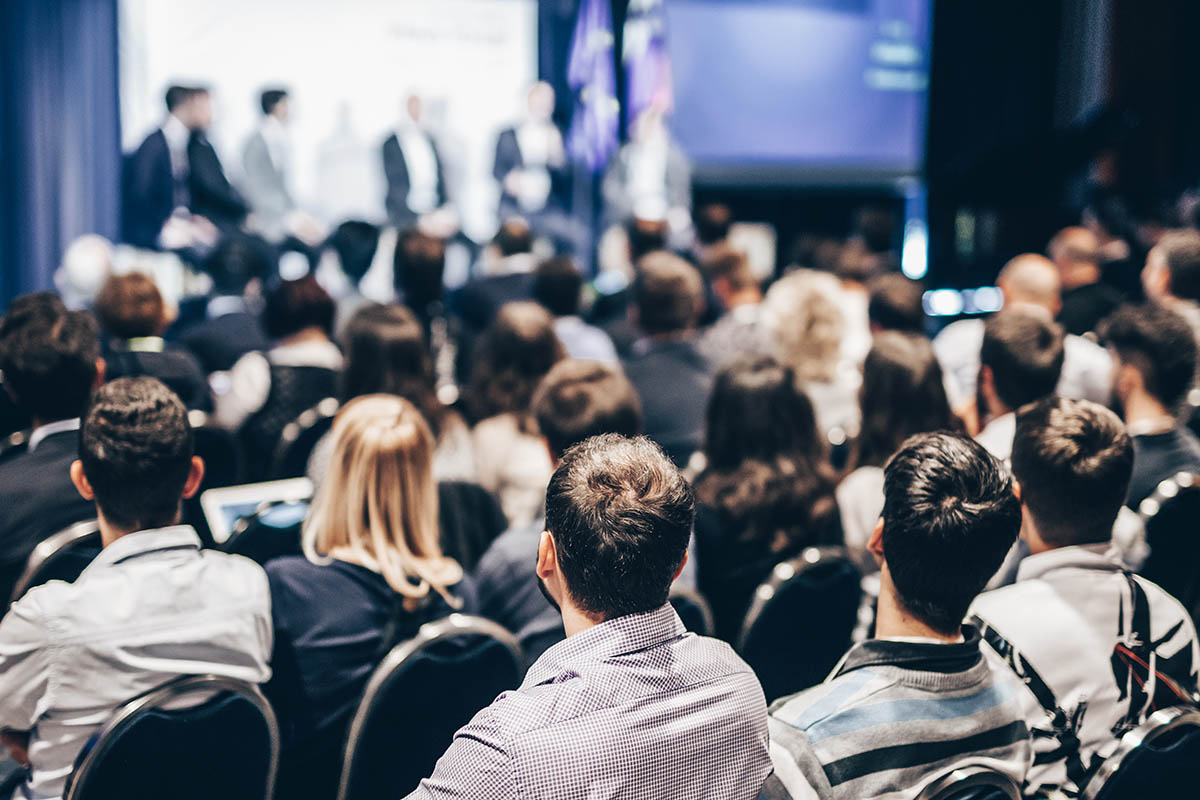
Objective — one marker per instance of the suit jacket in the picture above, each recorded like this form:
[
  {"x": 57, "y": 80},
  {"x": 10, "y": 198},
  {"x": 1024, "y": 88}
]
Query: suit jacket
[
  {"x": 674, "y": 381},
  {"x": 265, "y": 187},
  {"x": 212, "y": 195},
  {"x": 395, "y": 169},
  {"x": 219, "y": 343},
  {"x": 617, "y": 200},
  {"x": 38, "y": 500},
  {"x": 147, "y": 192},
  {"x": 508, "y": 158}
]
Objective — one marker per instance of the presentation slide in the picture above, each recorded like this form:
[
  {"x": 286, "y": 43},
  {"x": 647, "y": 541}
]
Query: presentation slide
[
  {"x": 800, "y": 88},
  {"x": 348, "y": 65}
]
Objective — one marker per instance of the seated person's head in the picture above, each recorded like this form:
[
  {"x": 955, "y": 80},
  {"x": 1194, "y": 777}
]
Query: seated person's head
[
  {"x": 730, "y": 274},
  {"x": 556, "y": 285},
  {"x": 712, "y": 222},
  {"x": 668, "y": 295},
  {"x": 1173, "y": 267},
  {"x": 1076, "y": 253},
  {"x": 1020, "y": 360},
  {"x": 1031, "y": 280},
  {"x": 1072, "y": 460},
  {"x": 801, "y": 317},
  {"x": 135, "y": 456},
  {"x": 1155, "y": 354},
  {"x": 646, "y": 236},
  {"x": 236, "y": 264},
  {"x": 514, "y": 238},
  {"x": 50, "y": 357},
  {"x": 379, "y": 503},
  {"x": 130, "y": 307},
  {"x": 949, "y": 518},
  {"x": 355, "y": 243},
  {"x": 618, "y": 521},
  {"x": 419, "y": 264},
  {"x": 298, "y": 306},
  {"x": 896, "y": 304},
  {"x": 514, "y": 353},
  {"x": 579, "y": 399}
]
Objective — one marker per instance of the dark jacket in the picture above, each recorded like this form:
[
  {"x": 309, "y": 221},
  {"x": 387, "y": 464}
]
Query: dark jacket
[
  {"x": 212, "y": 195},
  {"x": 218, "y": 343},
  {"x": 177, "y": 368},
  {"x": 148, "y": 192},
  {"x": 396, "y": 171},
  {"x": 674, "y": 381}
]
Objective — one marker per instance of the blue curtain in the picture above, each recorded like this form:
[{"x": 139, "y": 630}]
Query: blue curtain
[{"x": 60, "y": 137}]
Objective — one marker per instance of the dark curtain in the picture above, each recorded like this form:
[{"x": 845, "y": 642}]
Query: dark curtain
[{"x": 60, "y": 139}]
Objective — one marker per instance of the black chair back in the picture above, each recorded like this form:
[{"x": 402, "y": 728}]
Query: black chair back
[
  {"x": 1172, "y": 519},
  {"x": 801, "y": 620},
  {"x": 423, "y": 691},
  {"x": 224, "y": 744},
  {"x": 60, "y": 557},
  {"x": 470, "y": 518},
  {"x": 1159, "y": 758},
  {"x": 692, "y": 608},
  {"x": 972, "y": 783},
  {"x": 271, "y": 532},
  {"x": 300, "y": 437}
]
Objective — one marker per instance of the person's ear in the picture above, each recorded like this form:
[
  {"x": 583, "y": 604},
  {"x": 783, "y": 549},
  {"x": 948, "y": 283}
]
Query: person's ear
[
  {"x": 1017, "y": 488},
  {"x": 547, "y": 560},
  {"x": 101, "y": 369},
  {"x": 679, "y": 569},
  {"x": 195, "y": 477},
  {"x": 81, "y": 482},
  {"x": 875, "y": 543},
  {"x": 1126, "y": 380}
]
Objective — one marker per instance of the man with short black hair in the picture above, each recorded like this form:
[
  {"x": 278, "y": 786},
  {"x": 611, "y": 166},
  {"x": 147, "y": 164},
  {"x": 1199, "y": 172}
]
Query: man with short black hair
[
  {"x": 50, "y": 359},
  {"x": 231, "y": 327},
  {"x": 630, "y": 705},
  {"x": 557, "y": 285},
  {"x": 896, "y": 304},
  {"x": 1171, "y": 276},
  {"x": 919, "y": 700},
  {"x": 1020, "y": 361},
  {"x": 1069, "y": 626},
  {"x": 1155, "y": 359},
  {"x": 150, "y": 607}
]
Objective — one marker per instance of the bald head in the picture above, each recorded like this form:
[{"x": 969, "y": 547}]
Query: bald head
[
  {"x": 1076, "y": 253},
  {"x": 1031, "y": 279}
]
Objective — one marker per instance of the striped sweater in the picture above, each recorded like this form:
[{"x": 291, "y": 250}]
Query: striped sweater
[{"x": 895, "y": 715}]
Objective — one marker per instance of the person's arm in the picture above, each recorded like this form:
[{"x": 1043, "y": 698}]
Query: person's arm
[
  {"x": 249, "y": 385},
  {"x": 476, "y": 766},
  {"x": 790, "y": 775},
  {"x": 24, "y": 665}
]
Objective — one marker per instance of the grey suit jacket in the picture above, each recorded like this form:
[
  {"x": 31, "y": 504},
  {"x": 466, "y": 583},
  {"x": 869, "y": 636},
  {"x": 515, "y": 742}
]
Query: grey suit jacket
[{"x": 265, "y": 188}]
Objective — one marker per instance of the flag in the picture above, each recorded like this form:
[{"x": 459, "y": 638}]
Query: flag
[
  {"x": 591, "y": 74},
  {"x": 645, "y": 60}
]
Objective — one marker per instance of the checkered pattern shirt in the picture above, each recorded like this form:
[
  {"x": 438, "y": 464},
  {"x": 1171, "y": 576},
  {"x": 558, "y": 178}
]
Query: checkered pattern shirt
[{"x": 634, "y": 707}]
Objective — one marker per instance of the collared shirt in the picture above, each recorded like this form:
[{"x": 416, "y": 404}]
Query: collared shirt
[
  {"x": 634, "y": 707},
  {"x": 585, "y": 341},
  {"x": 51, "y": 428},
  {"x": 150, "y": 607},
  {"x": 997, "y": 436},
  {"x": 177, "y": 135},
  {"x": 421, "y": 161},
  {"x": 1065, "y": 615},
  {"x": 895, "y": 715}
]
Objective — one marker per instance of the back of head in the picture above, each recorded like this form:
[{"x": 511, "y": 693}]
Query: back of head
[
  {"x": 1074, "y": 245},
  {"x": 801, "y": 316},
  {"x": 380, "y": 503},
  {"x": 1033, "y": 279},
  {"x": 130, "y": 306},
  {"x": 902, "y": 394},
  {"x": 579, "y": 399},
  {"x": 1073, "y": 460},
  {"x": 732, "y": 266},
  {"x": 1159, "y": 344},
  {"x": 949, "y": 519},
  {"x": 177, "y": 95},
  {"x": 1024, "y": 353},
  {"x": 1181, "y": 254},
  {"x": 896, "y": 303},
  {"x": 235, "y": 263},
  {"x": 355, "y": 243},
  {"x": 713, "y": 221},
  {"x": 48, "y": 356},
  {"x": 514, "y": 237},
  {"x": 621, "y": 517},
  {"x": 294, "y": 306},
  {"x": 419, "y": 264},
  {"x": 669, "y": 294},
  {"x": 513, "y": 354},
  {"x": 135, "y": 445},
  {"x": 556, "y": 285},
  {"x": 646, "y": 236},
  {"x": 386, "y": 354},
  {"x": 271, "y": 98}
]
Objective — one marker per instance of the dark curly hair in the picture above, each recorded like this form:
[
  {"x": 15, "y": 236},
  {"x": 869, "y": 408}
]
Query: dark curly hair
[{"x": 513, "y": 355}]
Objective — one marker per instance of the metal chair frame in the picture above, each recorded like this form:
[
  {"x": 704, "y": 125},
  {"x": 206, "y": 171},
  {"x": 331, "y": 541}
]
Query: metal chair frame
[
  {"x": 970, "y": 777},
  {"x": 1166, "y": 490},
  {"x": 1156, "y": 725},
  {"x": 783, "y": 572},
  {"x": 326, "y": 409},
  {"x": 50, "y": 547}
]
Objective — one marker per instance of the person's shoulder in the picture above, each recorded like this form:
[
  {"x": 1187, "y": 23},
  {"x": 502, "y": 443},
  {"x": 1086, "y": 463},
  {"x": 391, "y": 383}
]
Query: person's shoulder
[
  {"x": 1023, "y": 600},
  {"x": 516, "y": 546},
  {"x": 810, "y": 706}
]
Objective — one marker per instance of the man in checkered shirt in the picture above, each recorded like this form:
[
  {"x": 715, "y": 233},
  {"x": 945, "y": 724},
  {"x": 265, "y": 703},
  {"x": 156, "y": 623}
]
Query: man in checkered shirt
[{"x": 630, "y": 705}]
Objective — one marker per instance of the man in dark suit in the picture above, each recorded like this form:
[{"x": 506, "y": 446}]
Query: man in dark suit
[
  {"x": 212, "y": 195},
  {"x": 51, "y": 362},
  {"x": 672, "y": 377},
  {"x": 416, "y": 184},
  {"x": 156, "y": 174},
  {"x": 231, "y": 327}
]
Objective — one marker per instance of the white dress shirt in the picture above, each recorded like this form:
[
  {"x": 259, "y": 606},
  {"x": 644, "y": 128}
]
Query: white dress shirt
[
  {"x": 177, "y": 135},
  {"x": 421, "y": 162},
  {"x": 152, "y": 606}
]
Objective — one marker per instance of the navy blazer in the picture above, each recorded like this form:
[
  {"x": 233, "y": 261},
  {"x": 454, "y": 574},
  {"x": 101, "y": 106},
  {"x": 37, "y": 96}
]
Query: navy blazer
[
  {"x": 396, "y": 170},
  {"x": 147, "y": 192},
  {"x": 212, "y": 196}
]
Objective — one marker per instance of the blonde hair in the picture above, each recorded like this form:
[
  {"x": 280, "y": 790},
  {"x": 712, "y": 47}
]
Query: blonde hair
[
  {"x": 379, "y": 504},
  {"x": 801, "y": 315}
]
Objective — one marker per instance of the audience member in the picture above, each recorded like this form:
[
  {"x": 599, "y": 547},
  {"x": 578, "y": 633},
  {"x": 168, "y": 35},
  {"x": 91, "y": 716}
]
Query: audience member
[
  {"x": 1171, "y": 276},
  {"x": 949, "y": 517},
  {"x": 151, "y": 607},
  {"x": 507, "y": 277},
  {"x": 354, "y": 242},
  {"x": 1076, "y": 623},
  {"x": 557, "y": 285},
  {"x": 902, "y": 394},
  {"x": 575, "y": 401},
  {"x": 1085, "y": 299},
  {"x": 1021, "y": 360},
  {"x": 371, "y": 574},
  {"x": 531, "y": 165},
  {"x": 766, "y": 491},
  {"x": 50, "y": 358},
  {"x": 86, "y": 264},
  {"x": 738, "y": 331},
  {"x": 712, "y": 223},
  {"x": 630, "y": 700},
  {"x": 386, "y": 354},
  {"x": 896, "y": 304},
  {"x": 1155, "y": 358},
  {"x": 672, "y": 377},
  {"x": 419, "y": 264},
  {"x": 268, "y": 390},
  {"x": 805, "y": 325},
  {"x": 231, "y": 327},
  {"x": 132, "y": 312},
  {"x": 1030, "y": 284},
  {"x": 514, "y": 353}
]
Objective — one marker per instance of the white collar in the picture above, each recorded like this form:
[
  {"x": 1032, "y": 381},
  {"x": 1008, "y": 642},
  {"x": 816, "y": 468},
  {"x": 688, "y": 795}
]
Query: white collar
[
  {"x": 51, "y": 428},
  {"x": 176, "y": 133},
  {"x": 1150, "y": 427},
  {"x": 1102, "y": 556}
]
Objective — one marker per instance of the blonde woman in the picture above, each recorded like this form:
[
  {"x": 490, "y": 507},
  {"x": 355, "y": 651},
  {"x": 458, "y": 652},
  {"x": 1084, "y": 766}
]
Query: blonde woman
[{"x": 372, "y": 573}]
